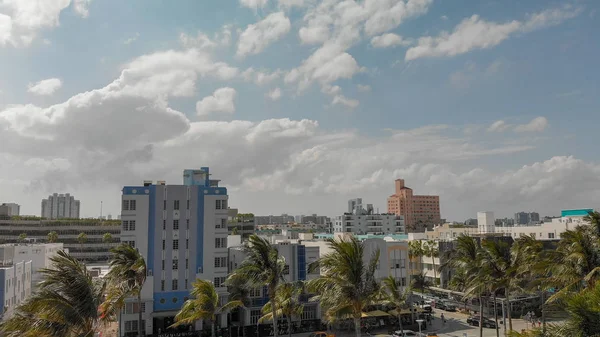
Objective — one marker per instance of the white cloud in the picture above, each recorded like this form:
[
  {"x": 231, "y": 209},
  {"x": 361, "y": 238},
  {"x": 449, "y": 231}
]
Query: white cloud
[
  {"x": 81, "y": 7},
  {"x": 343, "y": 100},
  {"x": 476, "y": 33},
  {"x": 254, "y": 4},
  {"x": 261, "y": 77},
  {"x": 258, "y": 36},
  {"x": 21, "y": 20},
  {"x": 131, "y": 39},
  {"x": 385, "y": 15},
  {"x": 292, "y": 3},
  {"x": 204, "y": 42},
  {"x": 389, "y": 40},
  {"x": 274, "y": 94},
  {"x": 363, "y": 88},
  {"x": 45, "y": 87},
  {"x": 444, "y": 17},
  {"x": 499, "y": 126},
  {"x": 220, "y": 101},
  {"x": 537, "y": 124}
]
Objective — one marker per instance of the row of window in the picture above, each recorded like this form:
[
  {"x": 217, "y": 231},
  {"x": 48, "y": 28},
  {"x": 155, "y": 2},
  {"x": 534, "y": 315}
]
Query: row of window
[
  {"x": 219, "y": 243},
  {"x": 129, "y": 205},
  {"x": 128, "y": 225},
  {"x": 174, "y": 284}
]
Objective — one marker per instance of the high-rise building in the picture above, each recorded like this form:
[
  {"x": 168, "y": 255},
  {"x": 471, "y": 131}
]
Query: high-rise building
[
  {"x": 181, "y": 231},
  {"x": 486, "y": 222},
  {"x": 524, "y": 218},
  {"x": 60, "y": 206},
  {"x": 363, "y": 220},
  {"x": 10, "y": 209},
  {"x": 419, "y": 211}
]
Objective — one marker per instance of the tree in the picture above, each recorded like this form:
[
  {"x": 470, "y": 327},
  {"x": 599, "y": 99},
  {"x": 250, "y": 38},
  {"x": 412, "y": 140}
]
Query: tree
[
  {"x": 415, "y": 249},
  {"x": 583, "y": 320},
  {"x": 234, "y": 231},
  {"x": 52, "y": 237},
  {"x": 593, "y": 218},
  {"x": 396, "y": 296},
  {"x": 126, "y": 278},
  {"x": 107, "y": 238},
  {"x": 65, "y": 304},
  {"x": 204, "y": 305},
  {"x": 22, "y": 237},
  {"x": 420, "y": 282},
  {"x": 347, "y": 283},
  {"x": 262, "y": 267},
  {"x": 430, "y": 249},
  {"x": 287, "y": 304},
  {"x": 238, "y": 290}
]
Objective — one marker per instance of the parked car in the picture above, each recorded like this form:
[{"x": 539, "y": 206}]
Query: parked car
[
  {"x": 487, "y": 323},
  {"x": 407, "y": 333},
  {"x": 440, "y": 305},
  {"x": 427, "y": 308},
  {"x": 450, "y": 307}
]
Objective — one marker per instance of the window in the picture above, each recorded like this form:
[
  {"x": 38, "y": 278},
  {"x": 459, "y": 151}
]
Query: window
[
  {"x": 132, "y": 225},
  {"x": 186, "y": 284},
  {"x": 125, "y": 205},
  {"x": 175, "y": 284},
  {"x": 403, "y": 282},
  {"x": 176, "y": 204},
  {"x": 175, "y": 244},
  {"x": 131, "y": 326},
  {"x": 188, "y": 204},
  {"x": 125, "y": 225},
  {"x": 187, "y": 224},
  {"x": 175, "y": 264},
  {"x": 218, "y": 204},
  {"x": 187, "y": 263},
  {"x": 220, "y": 242},
  {"x": 164, "y": 244},
  {"x": 175, "y": 225},
  {"x": 163, "y": 264},
  {"x": 218, "y": 281},
  {"x": 220, "y": 262},
  {"x": 221, "y": 223},
  {"x": 164, "y": 225},
  {"x": 143, "y": 307},
  {"x": 254, "y": 316},
  {"x": 187, "y": 243},
  {"x": 132, "y": 205},
  {"x": 550, "y": 235},
  {"x": 162, "y": 285},
  {"x": 131, "y": 243},
  {"x": 286, "y": 269},
  {"x": 254, "y": 292},
  {"x": 164, "y": 204}
]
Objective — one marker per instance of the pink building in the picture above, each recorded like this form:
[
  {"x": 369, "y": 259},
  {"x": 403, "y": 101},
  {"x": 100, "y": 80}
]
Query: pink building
[{"x": 418, "y": 210}]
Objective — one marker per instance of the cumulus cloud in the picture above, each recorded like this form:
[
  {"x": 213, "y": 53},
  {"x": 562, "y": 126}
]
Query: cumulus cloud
[
  {"x": 204, "y": 42},
  {"x": 363, "y": 88},
  {"x": 131, "y": 39},
  {"x": 476, "y": 33},
  {"x": 389, "y": 40},
  {"x": 253, "y": 4},
  {"x": 274, "y": 94},
  {"x": 258, "y": 36},
  {"x": 292, "y": 3},
  {"x": 498, "y": 126},
  {"x": 222, "y": 101},
  {"x": 343, "y": 100},
  {"x": 45, "y": 87},
  {"x": 537, "y": 124},
  {"x": 261, "y": 77},
  {"x": 21, "y": 20}
]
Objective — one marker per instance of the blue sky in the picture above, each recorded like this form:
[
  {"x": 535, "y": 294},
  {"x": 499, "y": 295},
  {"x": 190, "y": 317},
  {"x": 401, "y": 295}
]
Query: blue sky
[{"x": 491, "y": 104}]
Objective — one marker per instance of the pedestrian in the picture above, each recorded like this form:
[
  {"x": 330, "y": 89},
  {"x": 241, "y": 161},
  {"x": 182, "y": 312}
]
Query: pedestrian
[
  {"x": 443, "y": 319},
  {"x": 539, "y": 323}
]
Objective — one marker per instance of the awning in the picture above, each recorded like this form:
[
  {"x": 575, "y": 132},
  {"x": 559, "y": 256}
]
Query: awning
[{"x": 376, "y": 313}]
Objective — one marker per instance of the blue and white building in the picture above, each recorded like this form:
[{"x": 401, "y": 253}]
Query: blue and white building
[{"x": 181, "y": 230}]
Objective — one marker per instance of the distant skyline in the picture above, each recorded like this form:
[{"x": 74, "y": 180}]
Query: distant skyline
[{"x": 299, "y": 105}]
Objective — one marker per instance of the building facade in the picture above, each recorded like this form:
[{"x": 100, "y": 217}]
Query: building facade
[
  {"x": 181, "y": 230},
  {"x": 15, "y": 280},
  {"x": 419, "y": 211},
  {"x": 273, "y": 219},
  {"x": 60, "y": 206},
  {"x": 525, "y": 218},
  {"x": 486, "y": 222},
  {"x": 361, "y": 220},
  {"x": 10, "y": 209}
]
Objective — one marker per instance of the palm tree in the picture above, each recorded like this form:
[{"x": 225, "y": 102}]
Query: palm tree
[
  {"x": 204, "y": 305},
  {"x": 584, "y": 315},
  {"x": 107, "y": 238},
  {"x": 126, "y": 278},
  {"x": 287, "y": 304},
  {"x": 430, "y": 249},
  {"x": 262, "y": 267},
  {"x": 416, "y": 249},
  {"x": 22, "y": 237},
  {"x": 593, "y": 218},
  {"x": 421, "y": 282},
  {"x": 65, "y": 304},
  {"x": 347, "y": 283},
  {"x": 238, "y": 290},
  {"x": 82, "y": 239},
  {"x": 396, "y": 296},
  {"x": 52, "y": 237}
]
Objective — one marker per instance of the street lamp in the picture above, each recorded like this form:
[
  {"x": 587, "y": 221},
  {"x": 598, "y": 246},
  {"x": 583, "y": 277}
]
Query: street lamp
[{"x": 420, "y": 321}]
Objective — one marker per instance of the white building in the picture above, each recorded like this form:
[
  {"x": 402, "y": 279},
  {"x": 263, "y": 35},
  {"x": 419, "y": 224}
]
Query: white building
[
  {"x": 486, "y": 222},
  {"x": 361, "y": 220},
  {"x": 10, "y": 209},
  {"x": 181, "y": 230},
  {"x": 60, "y": 206},
  {"x": 38, "y": 254},
  {"x": 15, "y": 280}
]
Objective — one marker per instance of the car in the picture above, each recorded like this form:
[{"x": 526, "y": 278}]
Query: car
[
  {"x": 487, "y": 323},
  {"x": 432, "y": 334},
  {"x": 407, "y": 333},
  {"x": 427, "y": 308},
  {"x": 441, "y": 306},
  {"x": 450, "y": 307}
]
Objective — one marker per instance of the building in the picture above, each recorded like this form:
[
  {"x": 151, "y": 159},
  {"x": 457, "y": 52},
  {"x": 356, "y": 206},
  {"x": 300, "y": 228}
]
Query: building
[
  {"x": 316, "y": 219},
  {"x": 419, "y": 211},
  {"x": 38, "y": 253},
  {"x": 240, "y": 223},
  {"x": 273, "y": 219},
  {"x": 361, "y": 220},
  {"x": 297, "y": 258},
  {"x": 524, "y": 218},
  {"x": 486, "y": 222},
  {"x": 15, "y": 280},
  {"x": 181, "y": 231},
  {"x": 83, "y": 238},
  {"x": 10, "y": 209},
  {"x": 60, "y": 206}
]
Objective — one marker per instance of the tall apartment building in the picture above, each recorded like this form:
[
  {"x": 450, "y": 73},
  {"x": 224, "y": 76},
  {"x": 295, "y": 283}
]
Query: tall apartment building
[
  {"x": 525, "y": 218},
  {"x": 419, "y": 211},
  {"x": 10, "y": 209},
  {"x": 181, "y": 230},
  {"x": 361, "y": 220},
  {"x": 60, "y": 206},
  {"x": 15, "y": 280}
]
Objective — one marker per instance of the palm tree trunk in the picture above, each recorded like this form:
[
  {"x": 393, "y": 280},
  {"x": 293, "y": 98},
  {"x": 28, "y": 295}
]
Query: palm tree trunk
[
  {"x": 434, "y": 272},
  {"x": 289, "y": 326},
  {"x": 480, "y": 315},
  {"x": 139, "y": 300},
  {"x": 400, "y": 323},
  {"x": 213, "y": 327},
  {"x": 357, "y": 326},
  {"x": 272, "y": 291},
  {"x": 508, "y": 314},
  {"x": 496, "y": 316}
]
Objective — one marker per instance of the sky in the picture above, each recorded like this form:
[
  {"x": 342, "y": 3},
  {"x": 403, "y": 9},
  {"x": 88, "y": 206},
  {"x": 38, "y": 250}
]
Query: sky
[{"x": 299, "y": 105}]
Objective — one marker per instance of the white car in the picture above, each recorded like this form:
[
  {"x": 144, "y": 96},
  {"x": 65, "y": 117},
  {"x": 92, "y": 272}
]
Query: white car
[{"x": 407, "y": 333}]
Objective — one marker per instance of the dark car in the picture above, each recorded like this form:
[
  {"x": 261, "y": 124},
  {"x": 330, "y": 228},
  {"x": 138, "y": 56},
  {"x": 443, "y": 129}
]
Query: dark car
[
  {"x": 450, "y": 307},
  {"x": 487, "y": 323}
]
